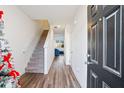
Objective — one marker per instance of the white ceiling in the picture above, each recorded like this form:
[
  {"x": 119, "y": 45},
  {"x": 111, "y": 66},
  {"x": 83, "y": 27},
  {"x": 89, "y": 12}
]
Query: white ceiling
[
  {"x": 59, "y": 30},
  {"x": 56, "y": 14}
]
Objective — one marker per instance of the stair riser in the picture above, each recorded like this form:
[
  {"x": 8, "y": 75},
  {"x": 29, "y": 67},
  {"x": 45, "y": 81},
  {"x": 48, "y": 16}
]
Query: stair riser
[
  {"x": 36, "y": 60},
  {"x": 34, "y": 68},
  {"x": 37, "y": 57},
  {"x": 34, "y": 72},
  {"x": 38, "y": 70},
  {"x": 37, "y": 53},
  {"x": 39, "y": 46},
  {"x": 38, "y": 50},
  {"x": 32, "y": 65}
]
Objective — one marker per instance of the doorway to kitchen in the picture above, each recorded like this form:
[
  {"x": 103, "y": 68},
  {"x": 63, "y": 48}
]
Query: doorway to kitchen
[{"x": 59, "y": 40}]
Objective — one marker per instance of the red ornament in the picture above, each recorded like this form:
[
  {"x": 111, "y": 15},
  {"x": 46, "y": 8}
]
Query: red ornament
[
  {"x": 7, "y": 58},
  {"x": 1, "y": 13},
  {"x": 14, "y": 73}
]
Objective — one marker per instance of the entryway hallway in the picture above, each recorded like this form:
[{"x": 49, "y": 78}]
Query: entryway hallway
[
  {"x": 59, "y": 76},
  {"x": 33, "y": 32}
]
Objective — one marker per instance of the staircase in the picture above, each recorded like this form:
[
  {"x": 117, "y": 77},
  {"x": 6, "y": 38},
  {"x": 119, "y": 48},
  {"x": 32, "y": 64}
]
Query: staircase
[{"x": 36, "y": 64}]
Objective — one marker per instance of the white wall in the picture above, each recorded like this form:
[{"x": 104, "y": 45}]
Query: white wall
[
  {"x": 67, "y": 44},
  {"x": 79, "y": 45},
  {"x": 48, "y": 51},
  {"x": 22, "y": 34},
  {"x": 58, "y": 36}
]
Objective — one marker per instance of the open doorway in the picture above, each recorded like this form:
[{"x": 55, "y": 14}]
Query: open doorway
[{"x": 59, "y": 40}]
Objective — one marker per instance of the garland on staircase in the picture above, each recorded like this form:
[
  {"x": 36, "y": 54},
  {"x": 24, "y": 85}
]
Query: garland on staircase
[{"x": 8, "y": 75}]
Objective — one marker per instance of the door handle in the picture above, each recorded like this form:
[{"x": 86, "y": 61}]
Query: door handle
[
  {"x": 100, "y": 19},
  {"x": 89, "y": 63},
  {"x": 88, "y": 55}
]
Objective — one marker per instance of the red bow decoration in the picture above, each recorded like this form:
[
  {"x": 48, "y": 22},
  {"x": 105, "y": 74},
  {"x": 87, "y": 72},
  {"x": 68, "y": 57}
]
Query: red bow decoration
[
  {"x": 14, "y": 74},
  {"x": 1, "y": 13},
  {"x": 7, "y": 58}
]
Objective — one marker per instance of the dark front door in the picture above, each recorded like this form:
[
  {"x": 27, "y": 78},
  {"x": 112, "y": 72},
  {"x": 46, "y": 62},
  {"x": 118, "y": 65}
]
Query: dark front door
[{"x": 105, "y": 46}]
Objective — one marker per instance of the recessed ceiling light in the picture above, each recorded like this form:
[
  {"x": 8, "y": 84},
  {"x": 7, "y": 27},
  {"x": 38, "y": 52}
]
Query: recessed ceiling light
[{"x": 57, "y": 26}]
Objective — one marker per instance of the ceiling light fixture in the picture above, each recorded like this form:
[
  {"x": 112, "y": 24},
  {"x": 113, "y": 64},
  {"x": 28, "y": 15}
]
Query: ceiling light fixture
[{"x": 57, "y": 26}]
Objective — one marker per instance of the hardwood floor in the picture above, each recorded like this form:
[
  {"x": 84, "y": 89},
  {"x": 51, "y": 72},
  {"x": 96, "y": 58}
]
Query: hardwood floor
[{"x": 59, "y": 76}]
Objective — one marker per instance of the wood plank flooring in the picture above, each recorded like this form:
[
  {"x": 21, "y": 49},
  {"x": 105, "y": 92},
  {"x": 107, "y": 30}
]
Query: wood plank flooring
[{"x": 59, "y": 76}]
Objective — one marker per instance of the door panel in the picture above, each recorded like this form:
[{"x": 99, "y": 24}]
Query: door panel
[
  {"x": 112, "y": 42},
  {"x": 93, "y": 80},
  {"x": 104, "y": 85},
  {"x": 94, "y": 43},
  {"x": 105, "y": 46}
]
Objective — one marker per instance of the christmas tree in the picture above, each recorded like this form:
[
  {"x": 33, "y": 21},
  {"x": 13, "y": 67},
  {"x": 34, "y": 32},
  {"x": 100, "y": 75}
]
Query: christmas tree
[{"x": 8, "y": 75}]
